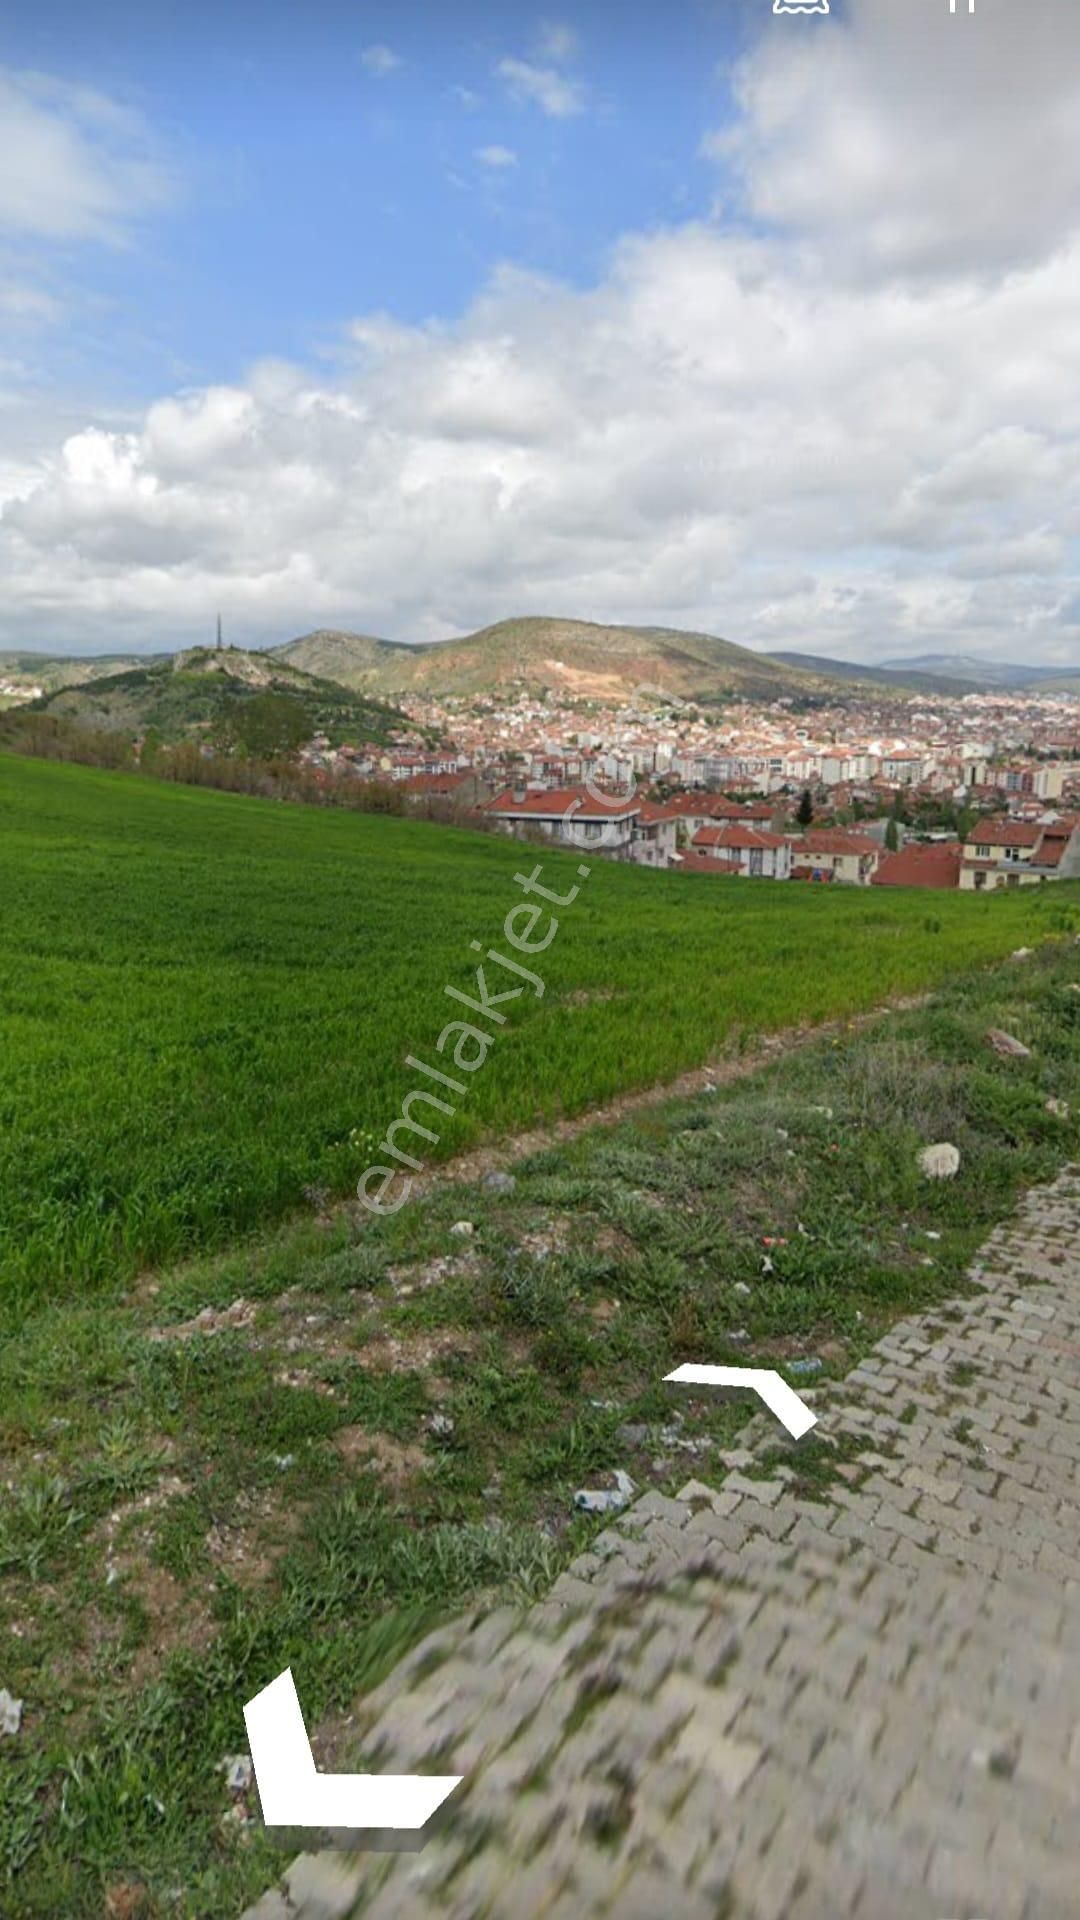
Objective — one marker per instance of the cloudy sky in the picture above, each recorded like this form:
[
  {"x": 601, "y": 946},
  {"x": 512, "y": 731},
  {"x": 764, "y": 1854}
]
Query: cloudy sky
[{"x": 407, "y": 318}]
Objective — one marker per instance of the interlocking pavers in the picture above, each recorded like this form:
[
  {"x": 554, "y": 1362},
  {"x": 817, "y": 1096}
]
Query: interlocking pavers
[{"x": 874, "y": 1713}]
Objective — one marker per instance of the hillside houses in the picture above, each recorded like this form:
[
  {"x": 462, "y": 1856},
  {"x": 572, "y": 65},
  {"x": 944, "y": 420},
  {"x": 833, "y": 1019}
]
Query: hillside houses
[
  {"x": 569, "y": 814},
  {"x": 1014, "y": 853},
  {"x": 751, "y": 851},
  {"x": 714, "y": 792},
  {"x": 852, "y": 858}
]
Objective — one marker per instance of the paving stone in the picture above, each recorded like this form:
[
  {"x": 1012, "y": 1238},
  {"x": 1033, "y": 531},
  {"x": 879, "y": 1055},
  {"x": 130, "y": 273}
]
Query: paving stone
[{"x": 819, "y": 1727}]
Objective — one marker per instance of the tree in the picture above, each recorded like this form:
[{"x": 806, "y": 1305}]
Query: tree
[
  {"x": 806, "y": 809},
  {"x": 269, "y": 724},
  {"x": 892, "y": 836},
  {"x": 150, "y": 751}
]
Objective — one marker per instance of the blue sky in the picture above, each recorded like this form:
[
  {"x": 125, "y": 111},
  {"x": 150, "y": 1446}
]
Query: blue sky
[
  {"x": 313, "y": 183},
  {"x": 407, "y": 320}
]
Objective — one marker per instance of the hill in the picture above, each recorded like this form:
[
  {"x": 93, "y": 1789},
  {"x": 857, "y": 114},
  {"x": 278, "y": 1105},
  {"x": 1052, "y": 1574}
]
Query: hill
[
  {"x": 197, "y": 693},
  {"x": 909, "y": 679},
  {"x": 53, "y": 670},
  {"x": 983, "y": 674},
  {"x": 571, "y": 657}
]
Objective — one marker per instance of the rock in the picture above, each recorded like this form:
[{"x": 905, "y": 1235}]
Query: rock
[
  {"x": 741, "y": 1287},
  {"x": 739, "y": 1337},
  {"x": 10, "y": 1713},
  {"x": 1022, "y": 953},
  {"x": 499, "y": 1182},
  {"x": 1059, "y": 1107},
  {"x": 826, "y": 1111},
  {"x": 940, "y": 1162},
  {"x": 595, "y": 1500},
  {"x": 1001, "y": 1761},
  {"x": 803, "y": 1368},
  {"x": 1008, "y": 1045},
  {"x": 463, "y": 1228},
  {"x": 441, "y": 1425},
  {"x": 633, "y": 1434},
  {"x": 238, "y": 1770}
]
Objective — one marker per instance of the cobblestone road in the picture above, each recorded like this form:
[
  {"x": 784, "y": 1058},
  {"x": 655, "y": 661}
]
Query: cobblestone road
[{"x": 746, "y": 1705}]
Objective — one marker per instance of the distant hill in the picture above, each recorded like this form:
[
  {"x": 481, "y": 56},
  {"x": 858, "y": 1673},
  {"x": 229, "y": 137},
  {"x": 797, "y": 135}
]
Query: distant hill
[
  {"x": 990, "y": 673},
  {"x": 911, "y": 678},
  {"x": 191, "y": 694},
  {"x": 1055, "y": 682},
  {"x": 52, "y": 670},
  {"x": 569, "y": 657}
]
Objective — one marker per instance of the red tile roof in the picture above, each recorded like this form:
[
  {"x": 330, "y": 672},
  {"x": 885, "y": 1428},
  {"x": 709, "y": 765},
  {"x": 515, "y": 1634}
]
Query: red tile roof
[
  {"x": 736, "y": 839},
  {"x": 560, "y": 801},
  {"x": 706, "y": 863},
  {"x": 822, "y": 840},
  {"x": 1004, "y": 833},
  {"x": 711, "y": 806},
  {"x": 435, "y": 782},
  {"x": 937, "y": 865}
]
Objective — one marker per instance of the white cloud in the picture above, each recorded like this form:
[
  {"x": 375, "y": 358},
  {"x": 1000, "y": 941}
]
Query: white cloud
[
  {"x": 555, "y": 93},
  {"x": 916, "y": 144},
  {"x": 380, "y": 60},
  {"x": 496, "y": 156},
  {"x": 465, "y": 97},
  {"x": 834, "y": 444},
  {"x": 77, "y": 166},
  {"x": 557, "y": 43}
]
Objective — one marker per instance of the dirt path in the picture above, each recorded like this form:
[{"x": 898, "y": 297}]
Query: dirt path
[{"x": 720, "y": 1071}]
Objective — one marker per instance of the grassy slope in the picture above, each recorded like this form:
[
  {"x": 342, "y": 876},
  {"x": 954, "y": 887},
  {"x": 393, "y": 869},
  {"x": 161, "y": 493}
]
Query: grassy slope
[
  {"x": 224, "y": 1478},
  {"x": 204, "y": 995}
]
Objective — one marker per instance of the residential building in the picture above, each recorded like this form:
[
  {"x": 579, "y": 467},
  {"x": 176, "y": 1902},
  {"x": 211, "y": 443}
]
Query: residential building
[
  {"x": 756, "y": 853},
  {"x": 569, "y": 814},
  {"x": 1013, "y": 853},
  {"x": 851, "y": 857}
]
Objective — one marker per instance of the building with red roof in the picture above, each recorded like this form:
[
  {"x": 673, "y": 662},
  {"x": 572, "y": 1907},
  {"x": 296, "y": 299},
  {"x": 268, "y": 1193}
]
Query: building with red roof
[
  {"x": 916, "y": 865},
  {"x": 1017, "y": 853},
  {"x": 827, "y": 851},
  {"x": 757, "y": 853}
]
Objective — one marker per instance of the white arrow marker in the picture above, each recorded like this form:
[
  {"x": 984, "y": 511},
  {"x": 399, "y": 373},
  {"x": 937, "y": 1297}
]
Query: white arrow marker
[
  {"x": 294, "y": 1794},
  {"x": 777, "y": 1395}
]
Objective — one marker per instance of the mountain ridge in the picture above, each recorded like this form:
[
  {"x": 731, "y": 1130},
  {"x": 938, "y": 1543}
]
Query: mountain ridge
[{"x": 195, "y": 693}]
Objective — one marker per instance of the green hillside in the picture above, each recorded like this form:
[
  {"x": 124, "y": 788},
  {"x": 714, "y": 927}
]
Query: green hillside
[
  {"x": 204, "y": 998},
  {"x": 198, "y": 693},
  {"x": 573, "y": 657}
]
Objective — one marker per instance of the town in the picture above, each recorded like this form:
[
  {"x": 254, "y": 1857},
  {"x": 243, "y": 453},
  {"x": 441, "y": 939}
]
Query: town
[{"x": 978, "y": 791}]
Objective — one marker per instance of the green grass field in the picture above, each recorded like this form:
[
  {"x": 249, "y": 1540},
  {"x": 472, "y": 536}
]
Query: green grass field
[
  {"x": 204, "y": 996},
  {"x": 240, "y": 1467}
]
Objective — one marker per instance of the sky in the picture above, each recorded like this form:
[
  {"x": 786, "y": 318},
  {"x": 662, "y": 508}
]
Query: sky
[{"x": 406, "y": 319}]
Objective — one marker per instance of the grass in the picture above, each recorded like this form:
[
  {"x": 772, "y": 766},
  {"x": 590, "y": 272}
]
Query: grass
[
  {"x": 207, "y": 1002},
  {"x": 188, "y": 1510}
]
